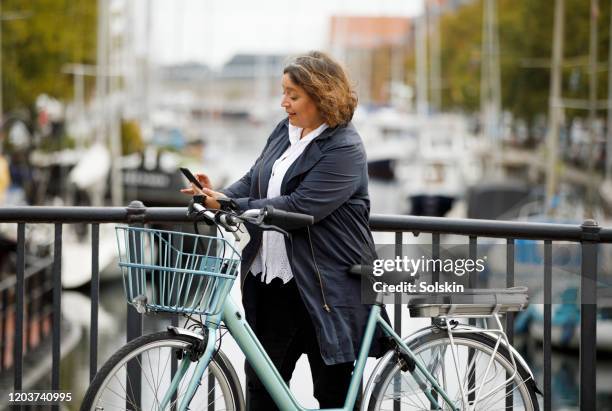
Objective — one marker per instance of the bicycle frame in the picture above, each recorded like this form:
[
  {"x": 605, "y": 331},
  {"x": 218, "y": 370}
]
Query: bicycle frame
[{"x": 257, "y": 357}]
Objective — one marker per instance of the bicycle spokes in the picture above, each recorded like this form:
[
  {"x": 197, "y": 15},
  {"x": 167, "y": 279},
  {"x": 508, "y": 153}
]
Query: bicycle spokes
[{"x": 475, "y": 376}]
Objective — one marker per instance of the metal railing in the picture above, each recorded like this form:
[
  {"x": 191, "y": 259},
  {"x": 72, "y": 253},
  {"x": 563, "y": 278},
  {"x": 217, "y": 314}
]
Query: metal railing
[
  {"x": 37, "y": 312},
  {"x": 588, "y": 235}
]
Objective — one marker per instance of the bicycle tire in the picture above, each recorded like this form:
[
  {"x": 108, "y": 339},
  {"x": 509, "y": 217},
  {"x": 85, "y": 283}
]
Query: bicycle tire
[
  {"x": 523, "y": 380},
  {"x": 225, "y": 377}
]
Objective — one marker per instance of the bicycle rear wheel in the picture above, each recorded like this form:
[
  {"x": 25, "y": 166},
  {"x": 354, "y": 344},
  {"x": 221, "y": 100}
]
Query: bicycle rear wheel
[
  {"x": 152, "y": 357},
  {"x": 475, "y": 376}
]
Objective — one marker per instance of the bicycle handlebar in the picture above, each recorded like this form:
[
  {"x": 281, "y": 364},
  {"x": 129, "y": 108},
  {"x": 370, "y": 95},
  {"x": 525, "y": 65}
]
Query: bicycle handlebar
[
  {"x": 286, "y": 219},
  {"x": 267, "y": 217}
]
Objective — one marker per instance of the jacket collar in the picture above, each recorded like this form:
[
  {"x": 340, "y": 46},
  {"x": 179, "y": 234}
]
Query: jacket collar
[{"x": 305, "y": 162}]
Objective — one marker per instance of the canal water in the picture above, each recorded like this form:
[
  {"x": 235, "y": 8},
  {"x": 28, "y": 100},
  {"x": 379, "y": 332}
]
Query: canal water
[{"x": 244, "y": 141}]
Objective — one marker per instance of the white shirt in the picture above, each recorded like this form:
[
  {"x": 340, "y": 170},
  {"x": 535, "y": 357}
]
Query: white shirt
[{"x": 272, "y": 260}]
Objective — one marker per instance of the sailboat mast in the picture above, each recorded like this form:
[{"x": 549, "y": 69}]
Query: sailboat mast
[
  {"x": 102, "y": 68},
  {"x": 590, "y": 199},
  {"x": 554, "y": 102},
  {"x": 609, "y": 123},
  {"x": 490, "y": 87},
  {"x": 434, "y": 55},
  {"x": 421, "y": 64}
]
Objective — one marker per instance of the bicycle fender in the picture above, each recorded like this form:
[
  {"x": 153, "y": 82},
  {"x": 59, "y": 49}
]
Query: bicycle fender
[
  {"x": 183, "y": 331},
  {"x": 520, "y": 360}
]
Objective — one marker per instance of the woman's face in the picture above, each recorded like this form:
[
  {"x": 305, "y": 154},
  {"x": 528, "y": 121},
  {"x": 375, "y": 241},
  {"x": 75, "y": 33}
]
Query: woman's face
[{"x": 301, "y": 109}]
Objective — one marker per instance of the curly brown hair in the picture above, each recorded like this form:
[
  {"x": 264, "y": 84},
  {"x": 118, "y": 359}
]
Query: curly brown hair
[{"x": 327, "y": 83}]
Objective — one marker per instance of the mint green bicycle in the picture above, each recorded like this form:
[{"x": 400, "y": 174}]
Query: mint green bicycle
[{"x": 447, "y": 366}]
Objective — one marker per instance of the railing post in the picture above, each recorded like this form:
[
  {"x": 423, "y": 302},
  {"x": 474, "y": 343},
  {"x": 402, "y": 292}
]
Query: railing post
[
  {"x": 57, "y": 310},
  {"x": 588, "y": 315},
  {"x": 19, "y": 299},
  {"x": 397, "y": 308},
  {"x": 95, "y": 298},
  {"x": 509, "y": 316},
  {"x": 136, "y": 212},
  {"x": 397, "y": 315},
  {"x": 546, "y": 342},
  {"x": 472, "y": 283}
]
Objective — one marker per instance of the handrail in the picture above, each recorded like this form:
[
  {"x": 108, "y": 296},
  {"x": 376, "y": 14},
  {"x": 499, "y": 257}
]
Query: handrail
[{"x": 378, "y": 222}]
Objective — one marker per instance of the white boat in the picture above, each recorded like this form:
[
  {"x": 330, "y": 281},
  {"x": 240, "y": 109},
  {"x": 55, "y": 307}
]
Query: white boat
[
  {"x": 442, "y": 167},
  {"x": 76, "y": 255},
  {"x": 389, "y": 137}
]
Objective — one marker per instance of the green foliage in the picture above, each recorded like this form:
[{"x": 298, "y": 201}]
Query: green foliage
[
  {"x": 51, "y": 144},
  {"x": 45, "y": 37},
  {"x": 460, "y": 35},
  {"x": 131, "y": 137},
  {"x": 525, "y": 37},
  {"x": 381, "y": 59}
]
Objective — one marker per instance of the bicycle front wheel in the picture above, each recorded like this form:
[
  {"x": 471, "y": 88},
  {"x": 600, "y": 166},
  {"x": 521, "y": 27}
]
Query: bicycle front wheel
[
  {"x": 479, "y": 376},
  {"x": 152, "y": 360}
]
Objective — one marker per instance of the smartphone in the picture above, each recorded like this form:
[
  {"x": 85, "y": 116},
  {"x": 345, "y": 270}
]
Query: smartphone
[{"x": 191, "y": 177}]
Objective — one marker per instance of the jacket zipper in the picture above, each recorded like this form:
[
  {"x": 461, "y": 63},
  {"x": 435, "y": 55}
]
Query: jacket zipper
[{"x": 325, "y": 306}]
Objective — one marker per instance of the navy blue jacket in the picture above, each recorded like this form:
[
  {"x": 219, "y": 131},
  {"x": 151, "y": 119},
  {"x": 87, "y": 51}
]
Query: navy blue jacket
[{"x": 329, "y": 181}]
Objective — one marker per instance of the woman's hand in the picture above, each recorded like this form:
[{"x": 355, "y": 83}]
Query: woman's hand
[
  {"x": 210, "y": 196},
  {"x": 210, "y": 201},
  {"x": 203, "y": 180}
]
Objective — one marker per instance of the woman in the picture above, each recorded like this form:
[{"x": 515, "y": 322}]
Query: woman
[{"x": 297, "y": 294}]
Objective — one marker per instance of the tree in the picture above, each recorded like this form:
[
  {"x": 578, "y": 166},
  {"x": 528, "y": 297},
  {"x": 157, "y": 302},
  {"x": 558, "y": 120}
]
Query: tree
[
  {"x": 525, "y": 35},
  {"x": 48, "y": 35}
]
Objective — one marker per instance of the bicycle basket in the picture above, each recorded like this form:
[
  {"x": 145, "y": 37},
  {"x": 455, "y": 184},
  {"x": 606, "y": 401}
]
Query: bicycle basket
[{"x": 175, "y": 272}]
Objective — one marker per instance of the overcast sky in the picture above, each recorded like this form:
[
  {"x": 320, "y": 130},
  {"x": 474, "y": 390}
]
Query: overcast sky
[{"x": 211, "y": 31}]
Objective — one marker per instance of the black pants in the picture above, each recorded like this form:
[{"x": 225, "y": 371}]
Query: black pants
[{"x": 285, "y": 330}]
